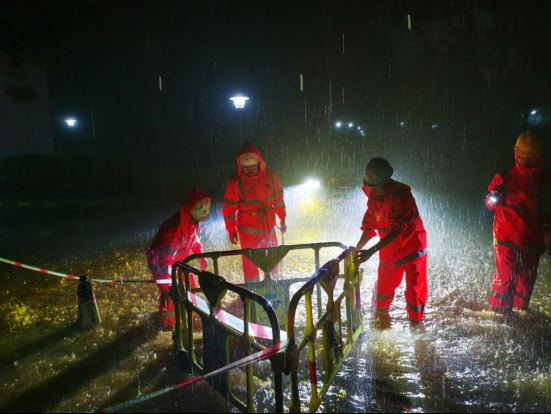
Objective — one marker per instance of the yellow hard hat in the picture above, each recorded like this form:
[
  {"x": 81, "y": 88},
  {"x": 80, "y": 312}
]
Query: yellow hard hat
[{"x": 529, "y": 145}]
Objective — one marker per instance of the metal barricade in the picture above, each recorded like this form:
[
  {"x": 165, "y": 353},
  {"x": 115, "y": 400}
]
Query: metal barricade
[
  {"x": 217, "y": 331},
  {"x": 216, "y": 334},
  {"x": 276, "y": 291},
  {"x": 336, "y": 346}
]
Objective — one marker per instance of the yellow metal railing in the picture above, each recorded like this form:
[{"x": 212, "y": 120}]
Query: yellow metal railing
[
  {"x": 335, "y": 345},
  {"x": 218, "y": 331}
]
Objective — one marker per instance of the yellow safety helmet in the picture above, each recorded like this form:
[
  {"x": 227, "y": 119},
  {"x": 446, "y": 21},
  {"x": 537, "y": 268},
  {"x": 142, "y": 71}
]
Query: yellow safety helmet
[{"x": 529, "y": 144}]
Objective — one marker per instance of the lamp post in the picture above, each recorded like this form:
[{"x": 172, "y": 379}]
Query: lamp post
[{"x": 239, "y": 102}]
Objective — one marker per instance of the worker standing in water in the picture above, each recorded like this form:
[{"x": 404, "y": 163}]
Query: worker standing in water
[
  {"x": 520, "y": 199},
  {"x": 252, "y": 200},
  {"x": 177, "y": 239},
  {"x": 392, "y": 214}
]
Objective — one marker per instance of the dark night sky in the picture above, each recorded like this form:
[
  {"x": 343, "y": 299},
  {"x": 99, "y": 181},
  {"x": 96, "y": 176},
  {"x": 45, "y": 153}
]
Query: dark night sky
[{"x": 471, "y": 67}]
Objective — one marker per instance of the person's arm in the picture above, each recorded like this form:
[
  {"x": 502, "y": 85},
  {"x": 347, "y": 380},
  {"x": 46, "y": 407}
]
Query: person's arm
[
  {"x": 496, "y": 193},
  {"x": 197, "y": 248},
  {"x": 279, "y": 203},
  {"x": 365, "y": 255},
  {"x": 229, "y": 209},
  {"x": 368, "y": 232}
]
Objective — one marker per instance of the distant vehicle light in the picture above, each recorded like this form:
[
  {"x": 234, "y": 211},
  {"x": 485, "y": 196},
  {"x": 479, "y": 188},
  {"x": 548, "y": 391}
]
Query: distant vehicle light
[{"x": 312, "y": 184}]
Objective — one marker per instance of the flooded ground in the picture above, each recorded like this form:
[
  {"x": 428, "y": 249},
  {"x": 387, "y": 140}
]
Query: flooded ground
[{"x": 463, "y": 361}]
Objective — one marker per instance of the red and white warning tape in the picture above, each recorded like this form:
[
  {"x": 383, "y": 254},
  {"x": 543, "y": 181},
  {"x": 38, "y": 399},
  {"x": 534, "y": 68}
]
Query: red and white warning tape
[
  {"x": 259, "y": 356},
  {"x": 72, "y": 277},
  {"x": 234, "y": 322}
]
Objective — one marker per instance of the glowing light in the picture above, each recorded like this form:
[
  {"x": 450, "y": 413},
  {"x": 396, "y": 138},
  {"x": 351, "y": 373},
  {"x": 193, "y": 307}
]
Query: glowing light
[
  {"x": 402, "y": 123},
  {"x": 312, "y": 184},
  {"x": 350, "y": 125},
  {"x": 239, "y": 101},
  {"x": 359, "y": 127},
  {"x": 309, "y": 201},
  {"x": 493, "y": 198},
  {"x": 338, "y": 124},
  {"x": 71, "y": 122},
  {"x": 534, "y": 112}
]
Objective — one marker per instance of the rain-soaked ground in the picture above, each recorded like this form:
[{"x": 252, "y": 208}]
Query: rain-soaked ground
[{"x": 463, "y": 360}]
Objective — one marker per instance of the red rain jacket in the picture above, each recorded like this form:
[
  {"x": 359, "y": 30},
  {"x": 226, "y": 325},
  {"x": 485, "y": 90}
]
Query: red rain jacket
[
  {"x": 396, "y": 212},
  {"x": 176, "y": 239},
  {"x": 522, "y": 216},
  {"x": 251, "y": 203}
]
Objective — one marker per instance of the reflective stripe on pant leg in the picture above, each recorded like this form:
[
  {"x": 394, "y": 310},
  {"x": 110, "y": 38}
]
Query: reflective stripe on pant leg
[
  {"x": 167, "y": 317},
  {"x": 527, "y": 270},
  {"x": 416, "y": 288},
  {"x": 388, "y": 279},
  {"x": 503, "y": 286}
]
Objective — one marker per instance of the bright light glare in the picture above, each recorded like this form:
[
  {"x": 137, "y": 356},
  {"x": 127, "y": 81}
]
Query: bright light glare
[
  {"x": 350, "y": 124},
  {"x": 312, "y": 184},
  {"x": 309, "y": 201},
  {"x": 534, "y": 112},
  {"x": 338, "y": 124},
  {"x": 71, "y": 122},
  {"x": 359, "y": 127},
  {"x": 239, "y": 101}
]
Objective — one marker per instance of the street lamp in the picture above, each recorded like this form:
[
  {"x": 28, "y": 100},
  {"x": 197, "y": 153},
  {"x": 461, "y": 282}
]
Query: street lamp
[
  {"x": 71, "y": 122},
  {"x": 338, "y": 124},
  {"x": 534, "y": 112},
  {"x": 350, "y": 125},
  {"x": 239, "y": 101}
]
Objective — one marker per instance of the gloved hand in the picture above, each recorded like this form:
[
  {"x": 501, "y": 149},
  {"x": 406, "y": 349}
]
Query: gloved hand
[
  {"x": 203, "y": 264},
  {"x": 283, "y": 227},
  {"x": 164, "y": 298},
  {"x": 364, "y": 255},
  {"x": 234, "y": 238}
]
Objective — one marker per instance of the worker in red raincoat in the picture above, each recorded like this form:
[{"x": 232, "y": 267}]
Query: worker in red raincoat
[
  {"x": 520, "y": 199},
  {"x": 392, "y": 214},
  {"x": 177, "y": 239},
  {"x": 253, "y": 198}
]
